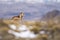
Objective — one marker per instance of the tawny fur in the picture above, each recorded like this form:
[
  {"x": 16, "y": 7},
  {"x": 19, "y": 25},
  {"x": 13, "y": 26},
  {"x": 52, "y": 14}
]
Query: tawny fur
[{"x": 15, "y": 20}]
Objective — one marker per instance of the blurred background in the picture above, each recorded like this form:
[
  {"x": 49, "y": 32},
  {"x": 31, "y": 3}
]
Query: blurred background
[{"x": 42, "y": 14}]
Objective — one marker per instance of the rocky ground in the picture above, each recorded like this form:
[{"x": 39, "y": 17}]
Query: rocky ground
[{"x": 4, "y": 35}]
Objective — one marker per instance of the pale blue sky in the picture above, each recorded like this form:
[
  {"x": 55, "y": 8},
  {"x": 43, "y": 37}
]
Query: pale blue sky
[
  {"x": 33, "y": 9},
  {"x": 28, "y": 1}
]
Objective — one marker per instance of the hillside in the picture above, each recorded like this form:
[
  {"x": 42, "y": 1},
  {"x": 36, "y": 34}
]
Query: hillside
[{"x": 55, "y": 14}]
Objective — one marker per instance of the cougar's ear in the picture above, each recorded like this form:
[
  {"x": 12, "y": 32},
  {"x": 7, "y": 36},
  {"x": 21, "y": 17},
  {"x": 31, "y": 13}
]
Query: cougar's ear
[{"x": 21, "y": 14}]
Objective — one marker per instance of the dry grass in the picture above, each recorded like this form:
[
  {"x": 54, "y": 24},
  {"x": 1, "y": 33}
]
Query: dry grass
[{"x": 37, "y": 26}]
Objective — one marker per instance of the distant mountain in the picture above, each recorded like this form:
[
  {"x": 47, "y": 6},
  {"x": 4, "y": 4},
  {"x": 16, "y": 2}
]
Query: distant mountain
[{"x": 51, "y": 15}]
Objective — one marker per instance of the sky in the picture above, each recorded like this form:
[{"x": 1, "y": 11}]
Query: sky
[
  {"x": 33, "y": 9},
  {"x": 29, "y": 1}
]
